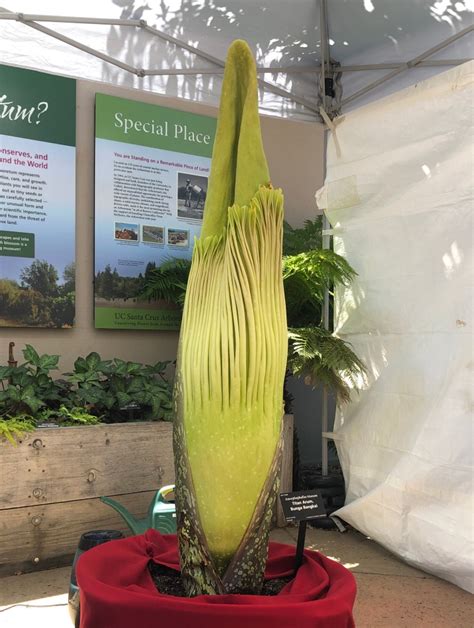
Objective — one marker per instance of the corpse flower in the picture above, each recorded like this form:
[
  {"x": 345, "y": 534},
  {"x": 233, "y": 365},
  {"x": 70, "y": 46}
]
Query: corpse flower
[{"x": 232, "y": 357}]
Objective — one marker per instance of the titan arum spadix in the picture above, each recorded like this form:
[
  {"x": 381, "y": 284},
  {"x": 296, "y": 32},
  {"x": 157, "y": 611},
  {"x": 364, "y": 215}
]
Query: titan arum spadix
[{"x": 232, "y": 356}]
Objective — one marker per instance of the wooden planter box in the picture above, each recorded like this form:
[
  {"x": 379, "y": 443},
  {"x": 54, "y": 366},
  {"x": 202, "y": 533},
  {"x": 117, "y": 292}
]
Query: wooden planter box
[{"x": 51, "y": 484}]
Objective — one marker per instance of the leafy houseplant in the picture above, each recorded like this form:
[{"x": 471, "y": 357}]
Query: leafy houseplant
[
  {"x": 232, "y": 357},
  {"x": 314, "y": 353},
  {"x": 115, "y": 388},
  {"x": 96, "y": 391}
]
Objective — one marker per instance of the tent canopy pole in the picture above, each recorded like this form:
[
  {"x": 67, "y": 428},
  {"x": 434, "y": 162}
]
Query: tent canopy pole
[
  {"x": 31, "y": 20},
  {"x": 408, "y": 64},
  {"x": 326, "y": 239},
  {"x": 82, "y": 47}
]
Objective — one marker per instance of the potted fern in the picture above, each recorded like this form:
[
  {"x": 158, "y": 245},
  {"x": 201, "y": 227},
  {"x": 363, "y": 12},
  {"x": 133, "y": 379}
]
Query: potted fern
[{"x": 228, "y": 414}]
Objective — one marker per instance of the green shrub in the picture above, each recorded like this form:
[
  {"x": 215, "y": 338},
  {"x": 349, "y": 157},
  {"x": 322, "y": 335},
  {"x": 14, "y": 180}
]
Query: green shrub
[{"x": 96, "y": 391}]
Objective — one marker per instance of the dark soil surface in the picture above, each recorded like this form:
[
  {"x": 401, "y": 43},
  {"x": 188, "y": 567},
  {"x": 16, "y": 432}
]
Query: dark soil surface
[{"x": 168, "y": 581}]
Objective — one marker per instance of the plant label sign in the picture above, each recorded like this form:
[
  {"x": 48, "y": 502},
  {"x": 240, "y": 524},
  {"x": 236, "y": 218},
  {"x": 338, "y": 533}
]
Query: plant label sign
[{"x": 302, "y": 505}]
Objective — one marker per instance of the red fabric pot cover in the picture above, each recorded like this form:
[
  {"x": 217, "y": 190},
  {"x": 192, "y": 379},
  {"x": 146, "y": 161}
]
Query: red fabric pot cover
[{"x": 117, "y": 591}]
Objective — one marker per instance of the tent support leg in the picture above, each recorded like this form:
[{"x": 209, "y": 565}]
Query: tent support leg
[
  {"x": 325, "y": 408},
  {"x": 326, "y": 238}
]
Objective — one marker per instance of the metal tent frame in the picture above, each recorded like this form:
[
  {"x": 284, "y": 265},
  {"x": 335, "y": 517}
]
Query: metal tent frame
[
  {"x": 326, "y": 70},
  {"x": 329, "y": 105}
]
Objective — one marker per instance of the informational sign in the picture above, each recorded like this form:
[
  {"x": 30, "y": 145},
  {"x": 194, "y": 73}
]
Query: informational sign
[
  {"x": 302, "y": 505},
  {"x": 37, "y": 198},
  {"x": 151, "y": 170}
]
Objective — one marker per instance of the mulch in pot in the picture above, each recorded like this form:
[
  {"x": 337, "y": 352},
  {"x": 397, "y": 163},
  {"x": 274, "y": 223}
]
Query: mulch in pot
[{"x": 169, "y": 582}]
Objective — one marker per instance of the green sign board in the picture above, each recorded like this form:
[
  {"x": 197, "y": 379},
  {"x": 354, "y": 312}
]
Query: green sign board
[
  {"x": 37, "y": 106},
  {"x": 151, "y": 170},
  {"x": 133, "y": 122},
  {"x": 17, "y": 244},
  {"x": 37, "y": 198}
]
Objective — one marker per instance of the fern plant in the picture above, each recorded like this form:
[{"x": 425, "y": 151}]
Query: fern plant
[
  {"x": 168, "y": 282},
  {"x": 314, "y": 353},
  {"x": 321, "y": 358},
  {"x": 307, "y": 276},
  {"x": 13, "y": 429},
  {"x": 300, "y": 239}
]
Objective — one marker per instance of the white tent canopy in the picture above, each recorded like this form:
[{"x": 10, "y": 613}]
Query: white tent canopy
[{"x": 177, "y": 47}]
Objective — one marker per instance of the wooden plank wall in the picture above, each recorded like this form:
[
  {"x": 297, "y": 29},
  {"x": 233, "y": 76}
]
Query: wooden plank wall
[
  {"x": 71, "y": 463},
  {"x": 41, "y": 537},
  {"x": 51, "y": 483}
]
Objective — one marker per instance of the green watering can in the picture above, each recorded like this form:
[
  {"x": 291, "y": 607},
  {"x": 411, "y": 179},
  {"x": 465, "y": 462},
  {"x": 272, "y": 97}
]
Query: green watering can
[{"x": 161, "y": 513}]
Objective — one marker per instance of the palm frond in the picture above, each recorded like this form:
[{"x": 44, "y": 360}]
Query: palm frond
[
  {"x": 306, "y": 277},
  {"x": 321, "y": 358},
  {"x": 322, "y": 267},
  {"x": 168, "y": 282}
]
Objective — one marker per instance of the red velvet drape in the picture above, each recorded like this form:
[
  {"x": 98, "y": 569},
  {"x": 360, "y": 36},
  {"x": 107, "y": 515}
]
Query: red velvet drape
[{"x": 117, "y": 591}]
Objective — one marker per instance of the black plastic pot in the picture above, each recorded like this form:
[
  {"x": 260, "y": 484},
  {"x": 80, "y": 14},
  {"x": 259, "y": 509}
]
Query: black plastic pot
[{"x": 87, "y": 541}]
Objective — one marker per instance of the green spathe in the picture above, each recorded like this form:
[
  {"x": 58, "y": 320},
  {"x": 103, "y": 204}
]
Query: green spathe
[{"x": 232, "y": 357}]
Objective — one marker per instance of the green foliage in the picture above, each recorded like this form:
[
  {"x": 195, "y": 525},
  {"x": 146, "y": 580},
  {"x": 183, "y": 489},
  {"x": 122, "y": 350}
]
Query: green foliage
[
  {"x": 41, "y": 277},
  {"x": 313, "y": 352},
  {"x": 14, "y": 429},
  {"x": 69, "y": 416},
  {"x": 30, "y": 385},
  {"x": 22, "y": 304},
  {"x": 9, "y": 291},
  {"x": 110, "y": 285},
  {"x": 69, "y": 276},
  {"x": 62, "y": 310},
  {"x": 320, "y": 357},
  {"x": 115, "y": 388},
  {"x": 306, "y": 238},
  {"x": 97, "y": 391},
  {"x": 168, "y": 282},
  {"x": 39, "y": 301},
  {"x": 306, "y": 277}
]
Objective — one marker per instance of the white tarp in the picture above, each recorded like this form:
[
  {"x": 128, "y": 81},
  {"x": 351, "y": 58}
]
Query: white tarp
[{"x": 399, "y": 198}]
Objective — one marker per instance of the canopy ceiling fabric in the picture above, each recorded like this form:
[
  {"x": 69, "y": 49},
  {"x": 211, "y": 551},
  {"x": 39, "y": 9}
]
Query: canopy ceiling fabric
[{"x": 281, "y": 33}]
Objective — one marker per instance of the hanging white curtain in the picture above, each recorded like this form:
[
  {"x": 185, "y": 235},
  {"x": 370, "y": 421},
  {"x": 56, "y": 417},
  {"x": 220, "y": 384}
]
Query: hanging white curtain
[{"x": 398, "y": 194}]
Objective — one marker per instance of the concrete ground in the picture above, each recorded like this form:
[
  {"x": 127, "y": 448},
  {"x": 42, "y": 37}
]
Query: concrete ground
[{"x": 390, "y": 593}]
